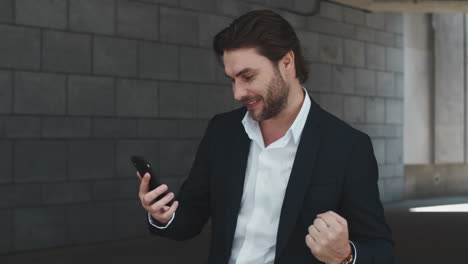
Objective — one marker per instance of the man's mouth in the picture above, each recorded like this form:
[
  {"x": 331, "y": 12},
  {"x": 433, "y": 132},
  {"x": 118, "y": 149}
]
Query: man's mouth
[{"x": 251, "y": 104}]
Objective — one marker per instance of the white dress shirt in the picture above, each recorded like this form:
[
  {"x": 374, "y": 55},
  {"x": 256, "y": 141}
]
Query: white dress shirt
[{"x": 266, "y": 179}]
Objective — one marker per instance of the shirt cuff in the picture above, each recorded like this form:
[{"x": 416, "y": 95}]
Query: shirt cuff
[
  {"x": 355, "y": 251},
  {"x": 157, "y": 226}
]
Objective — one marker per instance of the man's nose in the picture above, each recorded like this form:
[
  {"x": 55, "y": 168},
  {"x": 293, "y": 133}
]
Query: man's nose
[{"x": 239, "y": 92}]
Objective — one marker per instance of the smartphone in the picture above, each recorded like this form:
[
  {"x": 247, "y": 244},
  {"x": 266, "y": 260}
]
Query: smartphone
[{"x": 144, "y": 167}]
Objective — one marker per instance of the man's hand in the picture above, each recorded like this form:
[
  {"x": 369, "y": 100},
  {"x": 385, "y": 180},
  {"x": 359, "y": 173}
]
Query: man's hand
[
  {"x": 328, "y": 238},
  {"x": 158, "y": 210}
]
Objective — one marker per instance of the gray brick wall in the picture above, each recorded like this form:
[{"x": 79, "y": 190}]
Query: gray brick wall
[{"x": 84, "y": 84}]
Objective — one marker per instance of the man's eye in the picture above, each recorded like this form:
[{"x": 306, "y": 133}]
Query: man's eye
[{"x": 247, "y": 78}]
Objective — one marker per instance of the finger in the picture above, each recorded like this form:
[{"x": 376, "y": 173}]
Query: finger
[
  {"x": 314, "y": 233},
  {"x": 338, "y": 218},
  {"x": 154, "y": 194},
  {"x": 330, "y": 220},
  {"x": 310, "y": 241},
  {"x": 320, "y": 225},
  {"x": 144, "y": 185},
  {"x": 172, "y": 209},
  {"x": 157, "y": 206},
  {"x": 138, "y": 175}
]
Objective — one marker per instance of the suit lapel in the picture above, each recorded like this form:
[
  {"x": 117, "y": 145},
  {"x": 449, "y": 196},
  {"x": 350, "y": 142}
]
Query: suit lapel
[
  {"x": 235, "y": 183},
  {"x": 304, "y": 163}
]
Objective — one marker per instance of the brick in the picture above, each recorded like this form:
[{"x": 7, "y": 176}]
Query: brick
[
  {"x": 365, "y": 34},
  {"x": 343, "y": 79},
  {"x": 201, "y": 5},
  {"x": 399, "y": 83},
  {"x": 322, "y": 25},
  {"x": 22, "y": 127},
  {"x": 126, "y": 148},
  {"x": 66, "y": 127},
  {"x": 91, "y": 159},
  {"x": 375, "y": 20},
  {"x": 137, "y": 20},
  {"x": 43, "y": 13},
  {"x": 137, "y": 98},
  {"x": 39, "y": 93},
  {"x": 6, "y": 229},
  {"x": 165, "y": 2},
  {"x": 354, "y": 53},
  {"x": 20, "y": 47},
  {"x": 379, "y": 130},
  {"x": 320, "y": 77},
  {"x": 385, "y": 38},
  {"x": 379, "y": 150},
  {"x": 375, "y": 57},
  {"x": 394, "y": 111},
  {"x": 66, "y": 192},
  {"x": 394, "y": 151},
  {"x": 309, "y": 43},
  {"x": 297, "y": 21},
  {"x": 7, "y": 195},
  {"x": 158, "y": 61},
  {"x": 6, "y": 11},
  {"x": 184, "y": 150},
  {"x": 213, "y": 100},
  {"x": 129, "y": 219},
  {"x": 365, "y": 82},
  {"x": 92, "y": 16},
  {"x": 229, "y": 7},
  {"x": 40, "y": 161},
  {"x": 66, "y": 52},
  {"x": 194, "y": 128},
  {"x": 49, "y": 228},
  {"x": 177, "y": 100},
  {"x": 375, "y": 110},
  {"x": 385, "y": 84},
  {"x": 114, "y": 128},
  {"x": 89, "y": 223},
  {"x": 354, "y": 107},
  {"x": 178, "y": 26},
  {"x": 333, "y": 103},
  {"x": 399, "y": 41},
  {"x": 153, "y": 128},
  {"x": 25, "y": 195},
  {"x": 386, "y": 170},
  {"x": 110, "y": 190},
  {"x": 331, "y": 11},
  {"x": 90, "y": 95},
  {"x": 330, "y": 49},
  {"x": 6, "y": 92},
  {"x": 115, "y": 56},
  {"x": 202, "y": 71},
  {"x": 394, "y": 22},
  {"x": 395, "y": 60},
  {"x": 354, "y": 16},
  {"x": 209, "y": 26},
  {"x": 6, "y": 161}
]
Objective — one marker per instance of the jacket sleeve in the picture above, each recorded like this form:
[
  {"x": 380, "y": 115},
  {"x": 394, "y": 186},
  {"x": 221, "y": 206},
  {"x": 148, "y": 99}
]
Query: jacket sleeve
[
  {"x": 194, "y": 195},
  {"x": 362, "y": 208}
]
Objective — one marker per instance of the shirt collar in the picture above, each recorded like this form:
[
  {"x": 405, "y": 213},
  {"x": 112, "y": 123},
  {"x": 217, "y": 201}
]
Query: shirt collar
[{"x": 296, "y": 128}]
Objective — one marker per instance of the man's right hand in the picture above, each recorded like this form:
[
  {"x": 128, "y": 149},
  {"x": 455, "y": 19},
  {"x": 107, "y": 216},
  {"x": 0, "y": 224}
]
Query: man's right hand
[{"x": 158, "y": 210}]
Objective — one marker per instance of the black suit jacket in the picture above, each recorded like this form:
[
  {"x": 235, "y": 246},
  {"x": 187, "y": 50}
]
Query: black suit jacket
[{"x": 334, "y": 169}]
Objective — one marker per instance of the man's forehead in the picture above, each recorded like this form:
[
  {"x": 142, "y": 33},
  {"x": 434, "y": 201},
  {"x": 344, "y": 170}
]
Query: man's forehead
[{"x": 242, "y": 60}]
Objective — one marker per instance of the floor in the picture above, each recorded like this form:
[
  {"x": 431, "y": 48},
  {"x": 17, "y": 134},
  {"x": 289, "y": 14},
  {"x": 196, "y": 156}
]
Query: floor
[{"x": 420, "y": 238}]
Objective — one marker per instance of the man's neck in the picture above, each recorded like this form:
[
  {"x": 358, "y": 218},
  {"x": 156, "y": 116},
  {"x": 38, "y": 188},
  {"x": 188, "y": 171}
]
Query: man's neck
[{"x": 275, "y": 128}]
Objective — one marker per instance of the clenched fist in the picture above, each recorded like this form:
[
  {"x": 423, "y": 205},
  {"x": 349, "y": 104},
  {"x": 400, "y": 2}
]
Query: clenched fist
[{"x": 328, "y": 238}]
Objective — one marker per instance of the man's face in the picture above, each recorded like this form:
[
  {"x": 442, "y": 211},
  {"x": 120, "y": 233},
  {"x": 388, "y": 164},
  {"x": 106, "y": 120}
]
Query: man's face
[{"x": 256, "y": 82}]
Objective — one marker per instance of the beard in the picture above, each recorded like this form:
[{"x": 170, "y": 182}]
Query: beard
[{"x": 275, "y": 100}]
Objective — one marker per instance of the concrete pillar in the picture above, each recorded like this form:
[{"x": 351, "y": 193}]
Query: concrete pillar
[{"x": 418, "y": 79}]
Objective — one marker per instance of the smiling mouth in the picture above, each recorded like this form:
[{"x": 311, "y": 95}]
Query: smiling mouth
[{"x": 251, "y": 104}]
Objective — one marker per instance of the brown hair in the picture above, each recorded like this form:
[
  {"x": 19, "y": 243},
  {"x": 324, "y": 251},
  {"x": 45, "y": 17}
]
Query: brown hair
[{"x": 266, "y": 31}]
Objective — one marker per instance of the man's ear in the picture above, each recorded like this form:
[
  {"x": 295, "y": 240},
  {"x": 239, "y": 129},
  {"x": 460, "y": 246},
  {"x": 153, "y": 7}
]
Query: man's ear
[{"x": 287, "y": 64}]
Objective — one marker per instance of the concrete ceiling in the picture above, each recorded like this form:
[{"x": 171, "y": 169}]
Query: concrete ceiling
[{"x": 429, "y": 6}]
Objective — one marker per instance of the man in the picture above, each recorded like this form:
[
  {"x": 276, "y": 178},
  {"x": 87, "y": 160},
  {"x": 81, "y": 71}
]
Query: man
[{"x": 282, "y": 180}]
